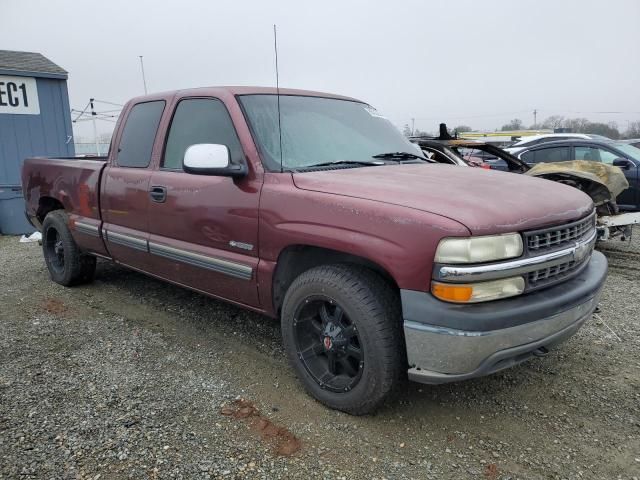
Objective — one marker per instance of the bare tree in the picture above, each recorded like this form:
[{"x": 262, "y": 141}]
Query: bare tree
[
  {"x": 609, "y": 130},
  {"x": 633, "y": 130},
  {"x": 577, "y": 125},
  {"x": 515, "y": 124},
  {"x": 554, "y": 121}
]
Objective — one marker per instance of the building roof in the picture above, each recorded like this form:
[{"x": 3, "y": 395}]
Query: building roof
[{"x": 29, "y": 62}]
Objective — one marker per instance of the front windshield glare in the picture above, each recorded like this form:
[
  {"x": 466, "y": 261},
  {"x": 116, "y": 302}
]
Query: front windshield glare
[{"x": 319, "y": 130}]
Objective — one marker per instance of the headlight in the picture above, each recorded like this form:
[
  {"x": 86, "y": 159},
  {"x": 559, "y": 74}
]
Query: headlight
[
  {"x": 478, "y": 292},
  {"x": 479, "y": 249}
]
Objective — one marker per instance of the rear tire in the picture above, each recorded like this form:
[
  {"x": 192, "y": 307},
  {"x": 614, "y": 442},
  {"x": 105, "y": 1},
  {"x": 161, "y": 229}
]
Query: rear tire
[
  {"x": 342, "y": 330},
  {"x": 67, "y": 265}
]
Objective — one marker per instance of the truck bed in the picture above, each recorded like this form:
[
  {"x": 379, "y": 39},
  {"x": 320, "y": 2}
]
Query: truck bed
[{"x": 71, "y": 182}]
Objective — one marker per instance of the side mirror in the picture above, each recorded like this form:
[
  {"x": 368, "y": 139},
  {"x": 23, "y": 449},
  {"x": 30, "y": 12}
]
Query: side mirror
[
  {"x": 211, "y": 159},
  {"x": 622, "y": 163}
]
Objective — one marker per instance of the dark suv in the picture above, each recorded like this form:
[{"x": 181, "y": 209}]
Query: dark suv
[{"x": 619, "y": 154}]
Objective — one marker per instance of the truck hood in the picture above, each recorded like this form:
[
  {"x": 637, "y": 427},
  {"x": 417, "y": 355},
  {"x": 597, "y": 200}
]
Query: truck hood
[{"x": 485, "y": 201}]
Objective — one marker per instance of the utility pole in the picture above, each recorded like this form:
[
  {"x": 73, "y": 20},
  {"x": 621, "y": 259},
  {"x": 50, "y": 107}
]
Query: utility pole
[
  {"x": 413, "y": 125},
  {"x": 95, "y": 129},
  {"x": 535, "y": 118},
  {"x": 144, "y": 80}
]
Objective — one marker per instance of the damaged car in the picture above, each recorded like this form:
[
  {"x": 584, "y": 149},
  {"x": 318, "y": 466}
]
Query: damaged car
[{"x": 602, "y": 182}]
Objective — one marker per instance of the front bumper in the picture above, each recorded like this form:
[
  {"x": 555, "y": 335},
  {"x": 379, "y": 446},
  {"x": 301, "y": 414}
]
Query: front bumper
[{"x": 448, "y": 342}]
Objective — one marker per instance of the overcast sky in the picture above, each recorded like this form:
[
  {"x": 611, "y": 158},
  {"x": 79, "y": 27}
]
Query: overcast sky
[{"x": 479, "y": 63}]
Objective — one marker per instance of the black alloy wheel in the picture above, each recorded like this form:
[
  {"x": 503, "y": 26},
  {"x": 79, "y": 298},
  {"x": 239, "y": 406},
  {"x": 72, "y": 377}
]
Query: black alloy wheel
[
  {"x": 54, "y": 249},
  {"x": 67, "y": 264},
  {"x": 328, "y": 344},
  {"x": 342, "y": 331}
]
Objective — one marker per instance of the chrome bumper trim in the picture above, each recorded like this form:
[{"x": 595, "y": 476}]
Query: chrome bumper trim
[
  {"x": 437, "y": 353},
  {"x": 493, "y": 271}
]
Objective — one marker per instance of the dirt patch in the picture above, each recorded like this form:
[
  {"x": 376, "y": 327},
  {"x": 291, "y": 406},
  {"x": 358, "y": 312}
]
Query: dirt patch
[
  {"x": 491, "y": 471},
  {"x": 54, "y": 306},
  {"x": 281, "y": 439}
]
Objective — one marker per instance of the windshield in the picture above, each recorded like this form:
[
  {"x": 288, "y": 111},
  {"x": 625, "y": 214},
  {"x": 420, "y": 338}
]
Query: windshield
[
  {"x": 319, "y": 130},
  {"x": 630, "y": 150}
]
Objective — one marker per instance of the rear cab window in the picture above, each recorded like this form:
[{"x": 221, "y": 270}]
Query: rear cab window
[
  {"x": 200, "y": 120},
  {"x": 139, "y": 133}
]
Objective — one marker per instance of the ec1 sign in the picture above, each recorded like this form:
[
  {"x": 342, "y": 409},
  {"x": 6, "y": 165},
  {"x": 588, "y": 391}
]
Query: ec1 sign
[{"x": 19, "y": 95}]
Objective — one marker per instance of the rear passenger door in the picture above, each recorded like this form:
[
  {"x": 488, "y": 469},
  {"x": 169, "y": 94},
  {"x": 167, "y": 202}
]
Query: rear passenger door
[
  {"x": 125, "y": 186},
  {"x": 204, "y": 232}
]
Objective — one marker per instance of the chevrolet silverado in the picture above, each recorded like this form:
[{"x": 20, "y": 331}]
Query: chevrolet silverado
[{"x": 312, "y": 208}]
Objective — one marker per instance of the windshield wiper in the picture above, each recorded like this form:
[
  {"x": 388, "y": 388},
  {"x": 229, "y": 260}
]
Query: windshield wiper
[
  {"x": 399, "y": 156},
  {"x": 342, "y": 162}
]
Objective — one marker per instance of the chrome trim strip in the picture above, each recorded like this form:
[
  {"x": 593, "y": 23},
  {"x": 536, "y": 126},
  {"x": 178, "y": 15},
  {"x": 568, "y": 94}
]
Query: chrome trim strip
[
  {"x": 127, "y": 240},
  {"x": 493, "y": 271},
  {"x": 87, "y": 229},
  {"x": 232, "y": 269}
]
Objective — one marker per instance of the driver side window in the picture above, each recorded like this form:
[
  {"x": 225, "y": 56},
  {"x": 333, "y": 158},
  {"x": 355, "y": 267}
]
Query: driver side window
[
  {"x": 607, "y": 157},
  {"x": 595, "y": 154},
  {"x": 200, "y": 120}
]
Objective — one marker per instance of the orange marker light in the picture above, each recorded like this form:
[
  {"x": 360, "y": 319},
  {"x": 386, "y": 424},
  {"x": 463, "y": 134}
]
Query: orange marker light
[{"x": 452, "y": 293}]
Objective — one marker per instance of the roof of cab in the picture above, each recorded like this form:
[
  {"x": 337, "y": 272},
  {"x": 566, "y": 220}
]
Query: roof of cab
[{"x": 240, "y": 90}]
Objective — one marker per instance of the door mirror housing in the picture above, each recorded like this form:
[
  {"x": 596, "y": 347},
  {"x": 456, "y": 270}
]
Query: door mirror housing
[
  {"x": 211, "y": 159},
  {"x": 622, "y": 163}
]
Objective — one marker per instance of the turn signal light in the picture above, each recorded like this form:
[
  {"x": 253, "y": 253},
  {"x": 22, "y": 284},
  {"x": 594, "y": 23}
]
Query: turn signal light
[
  {"x": 452, "y": 293},
  {"x": 478, "y": 292}
]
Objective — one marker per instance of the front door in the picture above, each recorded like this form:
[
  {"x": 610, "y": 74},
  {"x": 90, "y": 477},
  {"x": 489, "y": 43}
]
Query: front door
[
  {"x": 204, "y": 232},
  {"x": 125, "y": 187}
]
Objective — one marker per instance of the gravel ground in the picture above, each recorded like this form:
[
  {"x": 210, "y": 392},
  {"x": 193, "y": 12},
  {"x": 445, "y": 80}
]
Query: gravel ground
[{"x": 132, "y": 378}]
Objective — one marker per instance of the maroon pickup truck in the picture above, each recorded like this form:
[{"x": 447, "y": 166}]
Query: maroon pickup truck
[{"x": 379, "y": 263}]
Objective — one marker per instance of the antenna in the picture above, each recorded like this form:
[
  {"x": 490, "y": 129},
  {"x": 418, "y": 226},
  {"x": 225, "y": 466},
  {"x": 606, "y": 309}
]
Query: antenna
[
  {"x": 275, "y": 48},
  {"x": 144, "y": 80}
]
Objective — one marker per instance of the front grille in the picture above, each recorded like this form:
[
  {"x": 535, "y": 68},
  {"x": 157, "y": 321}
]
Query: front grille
[
  {"x": 541, "y": 241},
  {"x": 547, "y": 276},
  {"x": 547, "y": 240}
]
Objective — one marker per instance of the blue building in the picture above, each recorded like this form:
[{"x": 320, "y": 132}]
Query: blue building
[{"x": 35, "y": 119}]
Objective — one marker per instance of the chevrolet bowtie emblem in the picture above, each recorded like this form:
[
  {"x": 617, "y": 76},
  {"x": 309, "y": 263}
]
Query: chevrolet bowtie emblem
[{"x": 581, "y": 251}]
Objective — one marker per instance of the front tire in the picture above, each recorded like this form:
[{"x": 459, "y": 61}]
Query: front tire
[
  {"x": 67, "y": 265},
  {"x": 342, "y": 330}
]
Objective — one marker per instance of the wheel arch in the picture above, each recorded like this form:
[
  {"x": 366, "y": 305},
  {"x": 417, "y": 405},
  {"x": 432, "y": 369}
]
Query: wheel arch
[
  {"x": 296, "y": 259},
  {"x": 47, "y": 204}
]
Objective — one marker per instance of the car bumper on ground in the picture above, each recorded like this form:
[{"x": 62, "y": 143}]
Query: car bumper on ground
[{"x": 449, "y": 342}]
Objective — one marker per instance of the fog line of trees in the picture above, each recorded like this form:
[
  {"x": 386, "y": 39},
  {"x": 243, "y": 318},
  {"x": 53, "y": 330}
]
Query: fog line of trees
[
  {"x": 576, "y": 125},
  {"x": 579, "y": 125}
]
